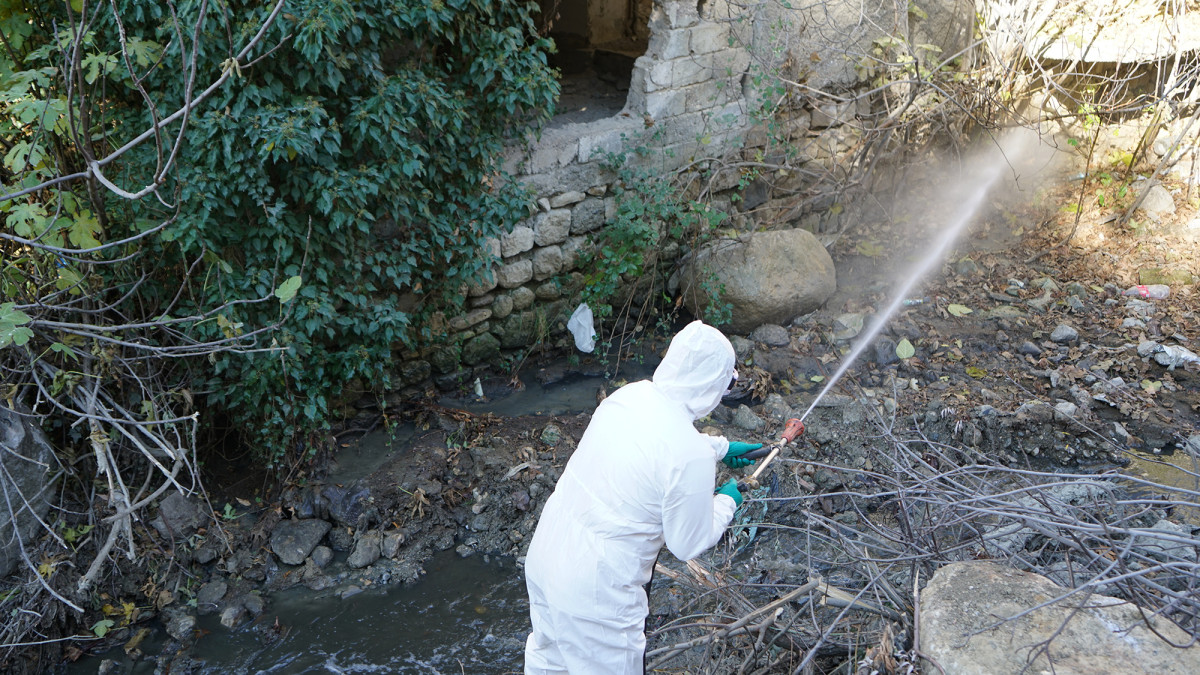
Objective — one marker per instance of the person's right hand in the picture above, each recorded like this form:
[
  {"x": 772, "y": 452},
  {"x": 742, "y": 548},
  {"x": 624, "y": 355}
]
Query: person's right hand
[
  {"x": 730, "y": 489},
  {"x": 732, "y": 459}
]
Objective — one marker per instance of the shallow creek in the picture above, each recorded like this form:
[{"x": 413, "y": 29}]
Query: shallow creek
[{"x": 467, "y": 614}]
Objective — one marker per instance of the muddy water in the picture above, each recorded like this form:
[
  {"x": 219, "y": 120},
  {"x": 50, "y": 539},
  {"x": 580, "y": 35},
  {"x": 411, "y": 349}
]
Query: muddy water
[{"x": 468, "y": 615}]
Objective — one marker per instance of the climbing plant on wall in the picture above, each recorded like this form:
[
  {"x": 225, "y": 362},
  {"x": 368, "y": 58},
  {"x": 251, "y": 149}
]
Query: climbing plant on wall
[{"x": 345, "y": 160}]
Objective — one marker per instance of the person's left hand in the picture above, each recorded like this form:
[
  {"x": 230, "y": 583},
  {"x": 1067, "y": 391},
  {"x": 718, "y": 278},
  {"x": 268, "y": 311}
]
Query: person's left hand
[
  {"x": 730, "y": 489},
  {"x": 732, "y": 458}
]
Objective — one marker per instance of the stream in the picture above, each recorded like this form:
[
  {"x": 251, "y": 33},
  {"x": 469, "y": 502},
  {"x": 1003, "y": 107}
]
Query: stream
[
  {"x": 469, "y": 615},
  {"x": 466, "y": 615}
]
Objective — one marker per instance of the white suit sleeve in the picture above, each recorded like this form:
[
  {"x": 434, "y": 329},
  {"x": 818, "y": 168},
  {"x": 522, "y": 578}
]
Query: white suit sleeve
[
  {"x": 693, "y": 517},
  {"x": 720, "y": 445}
]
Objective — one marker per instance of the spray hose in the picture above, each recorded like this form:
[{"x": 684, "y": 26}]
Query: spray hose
[{"x": 791, "y": 431}]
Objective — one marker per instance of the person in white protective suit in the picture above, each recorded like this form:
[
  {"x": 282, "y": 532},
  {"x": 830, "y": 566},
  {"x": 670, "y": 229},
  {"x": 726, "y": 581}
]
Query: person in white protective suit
[{"x": 642, "y": 476}]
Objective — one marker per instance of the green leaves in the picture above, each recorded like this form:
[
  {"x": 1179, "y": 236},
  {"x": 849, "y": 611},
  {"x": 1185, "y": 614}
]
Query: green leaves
[
  {"x": 144, "y": 52},
  {"x": 101, "y": 627},
  {"x": 287, "y": 290},
  {"x": 905, "y": 349},
  {"x": 97, "y": 65},
  {"x": 84, "y": 230},
  {"x": 959, "y": 310},
  {"x": 27, "y": 219},
  {"x": 13, "y": 329}
]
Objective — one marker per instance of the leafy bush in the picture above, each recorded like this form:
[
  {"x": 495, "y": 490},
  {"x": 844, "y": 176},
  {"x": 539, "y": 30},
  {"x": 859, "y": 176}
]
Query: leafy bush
[{"x": 353, "y": 151}]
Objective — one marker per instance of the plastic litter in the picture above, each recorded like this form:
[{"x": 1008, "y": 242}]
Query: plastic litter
[
  {"x": 1151, "y": 291},
  {"x": 1170, "y": 356},
  {"x": 582, "y": 327},
  {"x": 911, "y": 302}
]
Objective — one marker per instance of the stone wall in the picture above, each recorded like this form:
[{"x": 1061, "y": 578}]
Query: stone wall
[{"x": 692, "y": 102}]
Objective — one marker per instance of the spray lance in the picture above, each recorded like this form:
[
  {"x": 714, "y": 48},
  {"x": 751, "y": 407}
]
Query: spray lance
[{"x": 791, "y": 431}]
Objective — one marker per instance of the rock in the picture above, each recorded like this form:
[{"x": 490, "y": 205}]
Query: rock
[
  {"x": 28, "y": 464},
  {"x": 745, "y": 418},
  {"x": 1029, "y": 349},
  {"x": 205, "y": 554},
  {"x": 181, "y": 625},
  {"x": 346, "y": 504},
  {"x": 1170, "y": 547},
  {"x": 389, "y": 546},
  {"x": 1132, "y": 323},
  {"x": 1065, "y": 411},
  {"x": 208, "y": 598},
  {"x": 776, "y": 408},
  {"x": 1141, "y": 308},
  {"x": 966, "y": 267},
  {"x": 771, "y": 335},
  {"x": 1077, "y": 290},
  {"x": 319, "y": 582},
  {"x": 780, "y": 363},
  {"x": 1004, "y": 312},
  {"x": 962, "y": 627},
  {"x": 293, "y": 540},
  {"x": 178, "y": 517},
  {"x": 1167, "y": 277},
  {"x": 1046, "y": 284},
  {"x": 232, "y": 616},
  {"x": 1064, "y": 334},
  {"x": 480, "y": 348},
  {"x": 366, "y": 550},
  {"x": 834, "y": 401},
  {"x": 254, "y": 604},
  {"x": 885, "y": 351},
  {"x": 741, "y": 346},
  {"x": 1158, "y": 203},
  {"x": 1042, "y": 302},
  {"x": 254, "y": 573},
  {"x": 847, "y": 325},
  {"x": 520, "y": 500},
  {"x": 321, "y": 556},
  {"x": 551, "y": 435},
  {"x": 768, "y": 277},
  {"x": 1075, "y": 304}
]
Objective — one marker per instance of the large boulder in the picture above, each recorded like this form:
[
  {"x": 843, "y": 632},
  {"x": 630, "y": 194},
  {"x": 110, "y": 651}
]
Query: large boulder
[
  {"x": 28, "y": 467},
  {"x": 768, "y": 277},
  {"x": 964, "y": 629}
]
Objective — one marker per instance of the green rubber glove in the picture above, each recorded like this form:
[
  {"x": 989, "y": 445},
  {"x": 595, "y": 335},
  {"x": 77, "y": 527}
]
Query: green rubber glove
[
  {"x": 731, "y": 458},
  {"x": 730, "y": 490}
]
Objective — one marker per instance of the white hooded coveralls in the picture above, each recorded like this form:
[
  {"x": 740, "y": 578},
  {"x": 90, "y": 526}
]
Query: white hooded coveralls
[{"x": 642, "y": 476}]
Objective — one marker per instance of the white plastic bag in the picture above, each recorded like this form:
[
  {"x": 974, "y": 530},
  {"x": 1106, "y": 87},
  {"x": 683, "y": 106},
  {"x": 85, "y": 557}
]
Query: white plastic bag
[{"x": 580, "y": 325}]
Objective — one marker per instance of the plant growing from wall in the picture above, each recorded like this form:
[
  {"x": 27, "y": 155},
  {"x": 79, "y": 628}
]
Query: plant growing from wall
[{"x": 623, "y": 269}]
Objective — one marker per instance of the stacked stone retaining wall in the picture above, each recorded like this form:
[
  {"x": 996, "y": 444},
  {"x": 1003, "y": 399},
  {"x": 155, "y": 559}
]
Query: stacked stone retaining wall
[{"x": 692, "y": 105}]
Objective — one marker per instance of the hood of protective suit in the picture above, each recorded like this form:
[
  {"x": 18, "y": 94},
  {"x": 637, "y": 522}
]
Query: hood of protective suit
[{"x": 697, "y": 368}]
